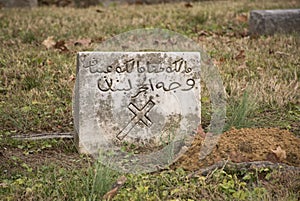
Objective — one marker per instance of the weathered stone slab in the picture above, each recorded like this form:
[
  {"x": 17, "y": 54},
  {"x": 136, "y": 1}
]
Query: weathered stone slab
[
  {"x": 268, "y": 22},
  {"x": 18, "y": 3},
  {"x": 140, "y": 98},
  {"x": 86, "y": 3}
]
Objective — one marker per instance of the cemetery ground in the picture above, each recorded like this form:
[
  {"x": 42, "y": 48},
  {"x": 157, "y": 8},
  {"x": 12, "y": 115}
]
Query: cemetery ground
[{"x": 260, "y": 75}]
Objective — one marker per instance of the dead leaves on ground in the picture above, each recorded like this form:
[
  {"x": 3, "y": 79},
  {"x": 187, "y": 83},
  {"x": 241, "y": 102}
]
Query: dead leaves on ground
[
  {"x": 240, "y": 55},
  {"x": 242, "y": 18},
  {"x": 49, "y": 42},
  {"x": 279, "y": 153},
  {"x": 66, "y": 46},
  {"x": 276, "y": 155}
]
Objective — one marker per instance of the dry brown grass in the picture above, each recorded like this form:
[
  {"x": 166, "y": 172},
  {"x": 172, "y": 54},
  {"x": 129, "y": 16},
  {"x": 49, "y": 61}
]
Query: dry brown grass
[{"x": 36, "y": 84}]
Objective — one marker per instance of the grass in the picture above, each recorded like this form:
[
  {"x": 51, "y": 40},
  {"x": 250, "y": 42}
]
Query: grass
[
  {"x": 221, "y": 185},
  {"x": 69, "y": 177},
  {"x": 37, "y": 170},
  {"x": 36, "y": 83},
  {"x": 36, "y": 87},
  {"x": 240, "y": 113}
]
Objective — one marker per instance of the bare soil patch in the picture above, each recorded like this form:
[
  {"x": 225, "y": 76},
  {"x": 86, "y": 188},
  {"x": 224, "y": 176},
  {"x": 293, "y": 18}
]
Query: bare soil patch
[{"x": 247, "y": 144}]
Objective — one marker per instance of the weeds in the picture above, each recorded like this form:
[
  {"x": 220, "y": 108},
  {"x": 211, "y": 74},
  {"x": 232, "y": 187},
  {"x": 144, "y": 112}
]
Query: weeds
[
  {"x": 103, "y": 178},
  {"x": 239, "y": 113},
  {"x": 47, "y": 178},
  {"x": 220, "y": 185},
  {"x": 36, "y": 86}
]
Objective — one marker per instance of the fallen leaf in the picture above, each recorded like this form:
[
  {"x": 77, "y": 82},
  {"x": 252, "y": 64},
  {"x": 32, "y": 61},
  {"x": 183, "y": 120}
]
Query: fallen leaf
[
  {"x": 200, "y": 131},
  {"x": 99, "y": 11},
  {"x": 61, "y": 45},
  {"x": 204, "y": 33},
  {"x": 188, "y": 5},
  {"x": 241, "y": 55},
  {"x": 83, "y": 42},
  {"x": 280, "y": 153},
  {"x": 242, "y": 18},
  {"x": 49, "y": 42},
  {"x": 116, "y": 186}
]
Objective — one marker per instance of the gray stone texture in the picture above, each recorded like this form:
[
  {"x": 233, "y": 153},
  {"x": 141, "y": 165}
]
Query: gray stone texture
[
  {"x": 269, "y": 22},
  {"x": 135, "y": 97},
  {"x": 18, "y": 3}
]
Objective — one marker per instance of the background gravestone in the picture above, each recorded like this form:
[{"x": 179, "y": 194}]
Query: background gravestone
[
  {"x": 268, "y": 22},
  {"x": 146, "y": 99},
  {"x": 18, "y": 3}
]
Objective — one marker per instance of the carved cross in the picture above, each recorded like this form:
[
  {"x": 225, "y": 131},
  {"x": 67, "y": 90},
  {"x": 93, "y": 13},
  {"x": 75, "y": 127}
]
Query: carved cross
[{"x": 140, "y": 115}]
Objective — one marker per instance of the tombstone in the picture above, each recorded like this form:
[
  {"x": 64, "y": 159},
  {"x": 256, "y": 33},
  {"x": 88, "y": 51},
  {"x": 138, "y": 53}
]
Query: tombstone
[
  {"x": 19, "y": 3},
  {"x": 86, "y": 3},
  {"x": 140, "y": 98},
  {"x": 268, "y": 22}
]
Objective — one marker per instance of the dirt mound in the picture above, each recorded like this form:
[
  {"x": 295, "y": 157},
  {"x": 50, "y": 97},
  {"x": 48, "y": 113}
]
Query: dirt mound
[{"x": 248, "y": 144}]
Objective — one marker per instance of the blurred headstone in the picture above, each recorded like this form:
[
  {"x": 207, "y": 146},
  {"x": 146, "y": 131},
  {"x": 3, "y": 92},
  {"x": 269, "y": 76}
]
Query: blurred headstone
[
  {"x": 86, "y": 3},
  {"x": 58, "y": 3},
  {"x": 268, "y": 22},
  {"x": 18, "y": 3}
]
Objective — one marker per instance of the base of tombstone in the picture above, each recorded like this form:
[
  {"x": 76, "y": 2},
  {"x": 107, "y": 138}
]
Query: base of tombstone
[
  {"x": 269, "y": 22},
  {"x": 80, "y": 146}
]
